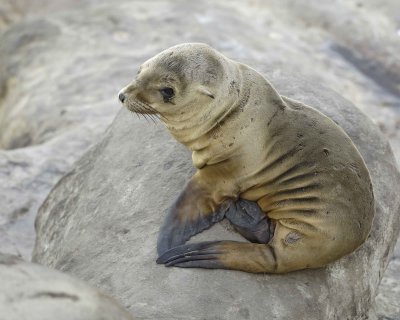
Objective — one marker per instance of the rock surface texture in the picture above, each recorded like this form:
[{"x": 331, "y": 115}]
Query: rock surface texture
[
  {"x": 101, "y": 221},
  {"x": 30, "y": 291},
  {"x": 62, "y": 63}
]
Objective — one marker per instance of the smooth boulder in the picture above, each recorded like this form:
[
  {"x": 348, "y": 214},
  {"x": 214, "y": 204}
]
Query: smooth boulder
[
  {"x": 101, "y": 221},
  {"x": 61, "y": 67},
  {"x": 30, "y": 291}
]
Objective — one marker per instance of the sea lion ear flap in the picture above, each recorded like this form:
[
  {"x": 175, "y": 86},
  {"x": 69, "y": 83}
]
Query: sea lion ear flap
[{"x": 205, "y": 91}]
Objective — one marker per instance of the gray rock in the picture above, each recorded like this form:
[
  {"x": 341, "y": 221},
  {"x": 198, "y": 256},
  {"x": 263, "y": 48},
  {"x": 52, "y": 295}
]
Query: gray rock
[
  {"x": 100, "y": 223},
  {"x": 50, "y": 113},
  {"x": 387, "y": 303},
  {"x": 61, "y": 66},
  {"x": 30, "y": 291}
]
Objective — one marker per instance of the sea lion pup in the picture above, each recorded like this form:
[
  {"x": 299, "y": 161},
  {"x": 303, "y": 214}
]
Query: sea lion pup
[{"x": 286, "y": 176}]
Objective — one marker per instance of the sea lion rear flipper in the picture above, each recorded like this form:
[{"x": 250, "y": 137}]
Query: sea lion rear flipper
[
  {"x": 249, "y": 257},
  {"x": 250, "y": 221},
  {"x": 193, "y": 211}
]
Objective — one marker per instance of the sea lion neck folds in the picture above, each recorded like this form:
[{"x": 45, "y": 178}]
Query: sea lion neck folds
[{"x": 286, "y": 176}]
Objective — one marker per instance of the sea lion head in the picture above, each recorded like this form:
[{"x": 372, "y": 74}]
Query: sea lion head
[{"x": 179, "y": 84}]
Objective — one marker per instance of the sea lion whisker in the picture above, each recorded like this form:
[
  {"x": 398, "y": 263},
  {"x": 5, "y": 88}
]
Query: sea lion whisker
[
  {"x": 155, "y": 118},
  {"x": 150, "y": 109},
  {"x": 139, "y": 111},
  {"x": 150, "y": 112},
  {"x": 151, "y": 118},
  {"x": 144, "y": 115},
  {"x": 133, "y": 113}
]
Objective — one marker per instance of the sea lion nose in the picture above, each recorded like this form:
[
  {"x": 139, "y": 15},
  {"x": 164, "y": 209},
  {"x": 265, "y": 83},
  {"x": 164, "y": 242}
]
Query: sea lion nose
[{"x": 121, "y": 97}]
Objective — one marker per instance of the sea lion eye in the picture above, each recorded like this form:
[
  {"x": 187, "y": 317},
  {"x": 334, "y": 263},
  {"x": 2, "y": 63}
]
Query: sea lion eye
[{"x": 167, "y": 94}]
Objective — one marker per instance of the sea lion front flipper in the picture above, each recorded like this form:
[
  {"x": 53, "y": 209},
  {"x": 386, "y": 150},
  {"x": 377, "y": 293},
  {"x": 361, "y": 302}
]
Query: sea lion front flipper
[
  {"x": 250, "y": 221},
  {"x": 193, "y": 211}
]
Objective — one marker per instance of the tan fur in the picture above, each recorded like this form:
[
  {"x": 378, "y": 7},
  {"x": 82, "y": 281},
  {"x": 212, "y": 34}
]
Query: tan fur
[{"x": 250, "y": 142}]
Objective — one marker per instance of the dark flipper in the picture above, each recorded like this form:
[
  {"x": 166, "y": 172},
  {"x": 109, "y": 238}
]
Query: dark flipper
[
  {"x": 250, "y": 221},
  {"x": 202, "y": 254},
  {"x": 249, "y": 257},
  {"x": 175, "y": 231},
  {"x": 193, "y": 212}
]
